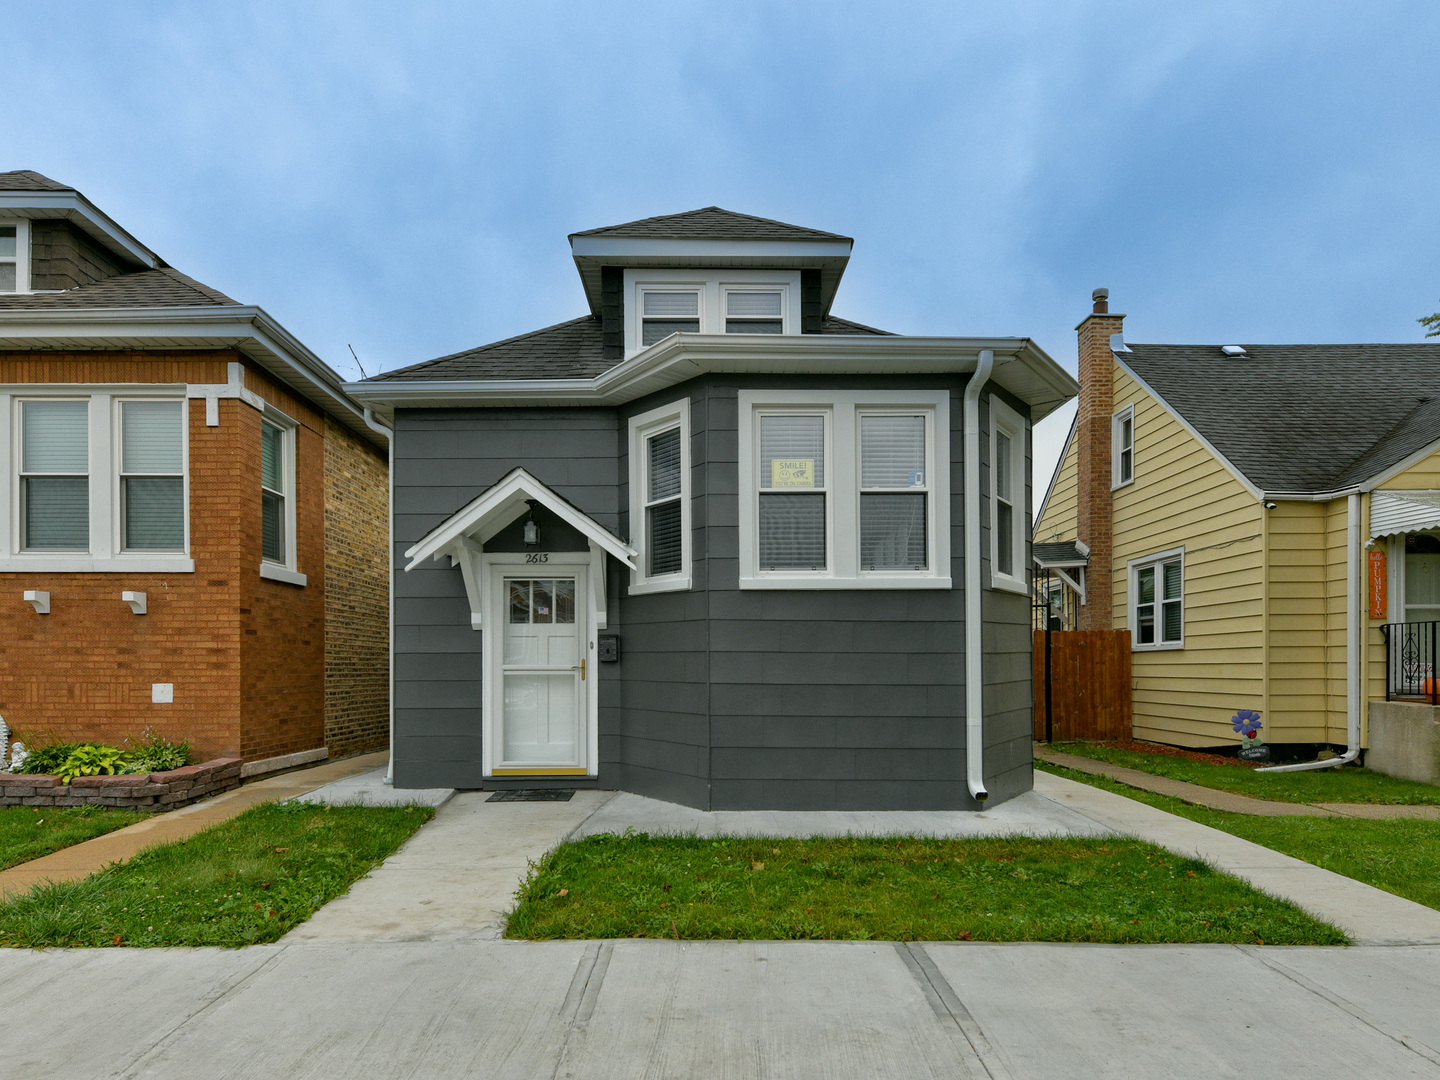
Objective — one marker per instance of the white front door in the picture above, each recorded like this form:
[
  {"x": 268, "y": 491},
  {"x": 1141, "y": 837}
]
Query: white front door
[{"x": 543, "y": 695}]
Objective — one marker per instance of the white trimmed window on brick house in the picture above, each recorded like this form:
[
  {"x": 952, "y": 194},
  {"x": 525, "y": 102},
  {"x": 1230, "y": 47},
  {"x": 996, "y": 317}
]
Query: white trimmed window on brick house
[
  {"x": 277, "y": 498},
  {"x": 94, "y": 479}
]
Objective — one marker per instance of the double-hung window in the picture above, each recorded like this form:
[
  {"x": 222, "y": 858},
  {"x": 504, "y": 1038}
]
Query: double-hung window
[
  {"x": 660, "y": 497},
  {"x": 1157, "y": 601},
  {"x": 843, "y": 489},
  {"x": 1007, "y": 498},
  {"x": 893, "y": 491},
  {"x": 274, "y": 514},
  {"x": 152, "y": 476},
  {"x": 55, "y": 475},
  {"x": 668, "y": 312},
  {"x": 14, "y": 257},
  {"x": 1122, "y": 447}
]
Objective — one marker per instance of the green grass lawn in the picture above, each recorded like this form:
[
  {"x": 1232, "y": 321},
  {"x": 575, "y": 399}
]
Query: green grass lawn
[
  {"x": 1346, "y": 783},
  {"x": 1399, "y": 856},
  {"x": 243, "y": 882},
  {"x": 27, "y": 832},
  {"x": 900, "y": 889}
]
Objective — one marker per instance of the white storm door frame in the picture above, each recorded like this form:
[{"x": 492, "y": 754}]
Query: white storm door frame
[{"x": 494, "y": 566}]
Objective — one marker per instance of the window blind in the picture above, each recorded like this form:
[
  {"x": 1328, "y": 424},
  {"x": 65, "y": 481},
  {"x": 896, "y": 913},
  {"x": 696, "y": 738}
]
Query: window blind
[
  {"x": 892, "y": 451},
  {"x": 664, "y": 465},
  {"x": 154, "y": 513},
  {"x": 271, "y": 475},
  {"x": 152, "y": 440},
  {"x": 664, "y": 539},
  {"x": 56, "y": 437},
  {"x": 752, "y": 305},
  {"x": 56, "y": 513},
  {"x": 792, "y": 439},
  {"x": 672, "y": 305},
  {"x": 792, "y": 532},
  {"x": 272, "y": 493}
]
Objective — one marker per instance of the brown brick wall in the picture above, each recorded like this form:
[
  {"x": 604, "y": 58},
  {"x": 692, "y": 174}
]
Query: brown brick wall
[
  {"x": 246, "y": 655},
  {"x": 1092, "y": 448},
  {"x": 85, "y": 670},
  {"x": 357, "y": 655},
  {"x": 62, "y": 257},
  {"x": 282, "y": 645}
]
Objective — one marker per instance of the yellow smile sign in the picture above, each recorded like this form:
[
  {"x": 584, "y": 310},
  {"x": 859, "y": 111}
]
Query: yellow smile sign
[{"x": 792, "y": 472}]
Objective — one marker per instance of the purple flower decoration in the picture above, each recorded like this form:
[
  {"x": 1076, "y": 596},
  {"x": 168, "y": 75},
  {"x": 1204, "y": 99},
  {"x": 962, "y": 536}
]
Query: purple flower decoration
[{"x": 1246, "y": 721}]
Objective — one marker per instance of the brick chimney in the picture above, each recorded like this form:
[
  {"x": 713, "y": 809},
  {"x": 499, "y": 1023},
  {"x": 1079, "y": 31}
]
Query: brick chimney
[{"x": 1092, "y": 434}]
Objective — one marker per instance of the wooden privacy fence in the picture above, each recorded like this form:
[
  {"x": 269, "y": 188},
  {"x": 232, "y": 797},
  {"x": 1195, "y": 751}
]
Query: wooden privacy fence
[{"x": 1088, "y": 686}]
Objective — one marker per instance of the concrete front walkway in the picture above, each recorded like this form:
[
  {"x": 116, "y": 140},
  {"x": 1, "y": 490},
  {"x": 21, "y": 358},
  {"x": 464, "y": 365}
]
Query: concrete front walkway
[
  {"x": 82, "y": 860},
  {"x": 721, "y": 1011},
  {"x": 1216, "y": 799}
]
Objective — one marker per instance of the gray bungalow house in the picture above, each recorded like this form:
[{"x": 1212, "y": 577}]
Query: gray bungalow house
[{"x": 712, "y": 544}]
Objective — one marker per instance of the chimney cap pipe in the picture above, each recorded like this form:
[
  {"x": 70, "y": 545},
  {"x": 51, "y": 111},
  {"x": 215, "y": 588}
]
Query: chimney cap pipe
[{"x": 1102, "y": 301}]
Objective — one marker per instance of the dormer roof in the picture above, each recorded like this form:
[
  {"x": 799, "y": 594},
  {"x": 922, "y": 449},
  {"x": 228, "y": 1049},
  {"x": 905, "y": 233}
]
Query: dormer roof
[
  {"x": 25, "y": 193},
  {"x": 710, "y": 236}
]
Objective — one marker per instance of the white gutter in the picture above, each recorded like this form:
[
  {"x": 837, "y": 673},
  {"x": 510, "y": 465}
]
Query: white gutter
[
  {"x": 1354, "y": 643},
  {"x": 974, "y": 630},
  {"x": 389, "y": 436}
]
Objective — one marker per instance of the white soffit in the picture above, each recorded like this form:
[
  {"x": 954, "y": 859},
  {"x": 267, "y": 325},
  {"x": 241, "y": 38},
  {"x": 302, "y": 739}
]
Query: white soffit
[
  {"x": 80, "y": 211},
  {"x": 1394, "y": 512}
]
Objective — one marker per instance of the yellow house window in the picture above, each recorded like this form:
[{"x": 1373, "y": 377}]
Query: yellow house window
[{"x": 1157, "y": 604}]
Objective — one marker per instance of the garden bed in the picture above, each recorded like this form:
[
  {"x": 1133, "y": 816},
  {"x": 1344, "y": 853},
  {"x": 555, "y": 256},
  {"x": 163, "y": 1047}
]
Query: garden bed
[{"x": 150, "y": 792}]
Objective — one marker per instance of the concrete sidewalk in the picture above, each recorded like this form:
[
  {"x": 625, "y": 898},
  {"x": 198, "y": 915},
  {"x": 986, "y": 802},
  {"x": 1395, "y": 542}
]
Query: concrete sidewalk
[
  {"x": 84, "y": 859},
  {"x": 722, "y": 1010}
]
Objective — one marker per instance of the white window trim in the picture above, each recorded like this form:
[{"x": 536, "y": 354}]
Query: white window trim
[
  {"x": 1116, "y": 479},
  {"x": 1003, "y": 418},
  {"x": 643, "y": 427},
  {"x": 286, "y": 570},
  {"x": 1155, "y": 560},
  {"x": 104, "y": 554},
  {"x": 843, "y": 409},
  {"x": 712, "y": 285},
  {"x": 22, "y": 255}
]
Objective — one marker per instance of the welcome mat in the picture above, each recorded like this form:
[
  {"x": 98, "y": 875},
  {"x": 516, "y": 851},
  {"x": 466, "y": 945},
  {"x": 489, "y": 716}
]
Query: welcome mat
[{"x": 533, "y": 795}]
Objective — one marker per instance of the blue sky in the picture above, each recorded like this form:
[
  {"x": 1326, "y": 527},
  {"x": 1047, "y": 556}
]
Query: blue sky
[{"x": 402, "y": 177}]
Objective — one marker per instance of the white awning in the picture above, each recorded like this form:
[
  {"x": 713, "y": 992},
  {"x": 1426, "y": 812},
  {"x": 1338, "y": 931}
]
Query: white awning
[{"x": 1394, "y": 512}]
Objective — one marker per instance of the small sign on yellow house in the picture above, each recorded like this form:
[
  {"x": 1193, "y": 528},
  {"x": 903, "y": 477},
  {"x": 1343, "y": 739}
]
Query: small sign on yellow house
[{"x": 792, "y": 472}]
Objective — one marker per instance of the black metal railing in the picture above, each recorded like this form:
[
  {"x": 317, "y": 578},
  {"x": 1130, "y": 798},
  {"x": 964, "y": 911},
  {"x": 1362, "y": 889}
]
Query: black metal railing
[{"x": 1410, "y": 661}]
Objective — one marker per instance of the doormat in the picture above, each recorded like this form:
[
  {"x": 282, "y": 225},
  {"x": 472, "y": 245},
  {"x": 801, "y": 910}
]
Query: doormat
[{"x": 533, "y": 795}]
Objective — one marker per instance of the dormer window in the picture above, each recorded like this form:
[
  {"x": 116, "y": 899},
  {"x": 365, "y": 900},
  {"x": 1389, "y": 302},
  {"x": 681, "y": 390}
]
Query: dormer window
[
  {"x": 14, "y": 268},
  {"x": 667, "y": 313},
  {"x": 754, "y": 312}
]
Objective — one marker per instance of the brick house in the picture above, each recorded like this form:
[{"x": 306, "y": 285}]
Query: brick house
[{"x": 192, "y": 510}]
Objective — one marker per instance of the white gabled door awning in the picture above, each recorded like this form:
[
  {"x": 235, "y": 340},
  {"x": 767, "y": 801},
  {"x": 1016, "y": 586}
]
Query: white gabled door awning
[
  {"x": 497, "y": 507},
  {"x": 1394, "y": 512}
]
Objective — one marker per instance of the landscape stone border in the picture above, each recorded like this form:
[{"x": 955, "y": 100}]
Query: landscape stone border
[{"x": 155, "y": 792}]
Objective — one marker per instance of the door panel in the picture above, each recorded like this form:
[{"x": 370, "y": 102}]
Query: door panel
[{"x": 543, "y": 700}]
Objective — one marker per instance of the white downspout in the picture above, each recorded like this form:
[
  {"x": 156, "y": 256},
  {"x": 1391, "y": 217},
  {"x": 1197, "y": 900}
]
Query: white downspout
[
  {"x": 974, "y": 629},
  {"x": 389, "y": 433},
  {"x": 1354, "y": 643}
]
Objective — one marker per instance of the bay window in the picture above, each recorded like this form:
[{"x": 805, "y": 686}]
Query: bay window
[{"x": 839, "y": 489}]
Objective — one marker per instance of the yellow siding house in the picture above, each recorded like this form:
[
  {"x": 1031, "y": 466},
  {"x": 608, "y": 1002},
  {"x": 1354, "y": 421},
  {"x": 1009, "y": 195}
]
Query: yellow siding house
[{"x": 1262, "y": 519}]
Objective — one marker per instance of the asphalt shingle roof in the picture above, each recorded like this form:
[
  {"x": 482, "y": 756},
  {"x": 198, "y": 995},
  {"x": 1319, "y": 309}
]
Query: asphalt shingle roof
[
  {"x": 1302, "y": 418},
  {"x": 711, "y": 223},
  {"x": 26, "y": 180},
  {"x": 567, "y": 350},
  {"x": 1061, "y": 551},
  {"x": 146, "y": 288}
]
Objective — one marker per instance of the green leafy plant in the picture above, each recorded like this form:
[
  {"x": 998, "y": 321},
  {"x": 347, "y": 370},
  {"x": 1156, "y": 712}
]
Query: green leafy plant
[
  {"x": 48, "y": 759},
  {"x": 91, "y": 759},
  {"x": 155, "y": 753}
]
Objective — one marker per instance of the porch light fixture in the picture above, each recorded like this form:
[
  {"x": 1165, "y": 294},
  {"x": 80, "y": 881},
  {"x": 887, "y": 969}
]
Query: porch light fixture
[{"x": 532, "y": 530}]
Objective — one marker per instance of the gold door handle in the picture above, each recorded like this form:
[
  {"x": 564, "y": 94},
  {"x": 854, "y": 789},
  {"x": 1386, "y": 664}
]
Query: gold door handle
[{"x": 581, "y": 669}]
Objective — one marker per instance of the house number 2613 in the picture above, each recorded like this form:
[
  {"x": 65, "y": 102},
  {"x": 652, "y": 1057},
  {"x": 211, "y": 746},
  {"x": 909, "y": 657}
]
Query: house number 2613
[{"x": 543, "y": 557}]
